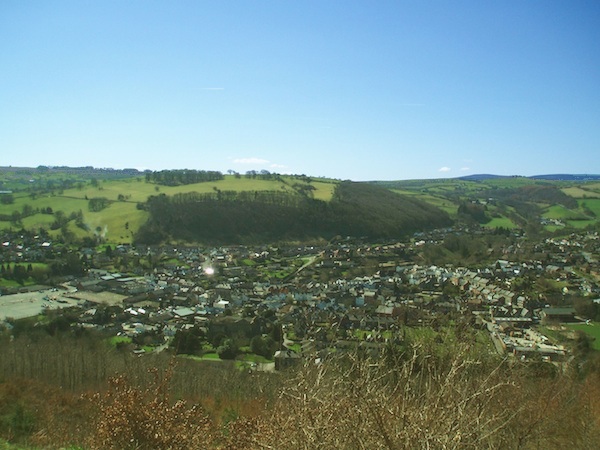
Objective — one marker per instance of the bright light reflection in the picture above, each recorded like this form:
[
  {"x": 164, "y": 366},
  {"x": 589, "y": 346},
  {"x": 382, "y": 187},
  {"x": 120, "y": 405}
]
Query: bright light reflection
[{"x": 209, "y": 271}]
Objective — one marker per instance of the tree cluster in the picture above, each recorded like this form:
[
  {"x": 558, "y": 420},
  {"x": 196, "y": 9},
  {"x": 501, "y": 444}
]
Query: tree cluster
[
  {"x": 182, "y": 177},
  {"x": 357, "y": 209},
  {"x": 473, "y": 212},
  {"x": 97, "y": 204},
  {"x": 17, "y": 272},
  {"x": 262, "y": 175}
]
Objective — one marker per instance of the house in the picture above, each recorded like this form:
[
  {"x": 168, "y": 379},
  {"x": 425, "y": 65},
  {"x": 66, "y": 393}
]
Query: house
[
  {"x": 558, "y": 314},
  {"x": 285, "y": 359}
]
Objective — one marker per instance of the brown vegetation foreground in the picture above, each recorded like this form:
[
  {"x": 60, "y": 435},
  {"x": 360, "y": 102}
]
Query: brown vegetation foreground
[
  {"x": 407, "y": 400},
  {"x": 423, "y": 403}
]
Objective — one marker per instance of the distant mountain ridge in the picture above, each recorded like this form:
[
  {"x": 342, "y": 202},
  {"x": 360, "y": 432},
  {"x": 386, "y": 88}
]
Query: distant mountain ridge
[
  {"x": 550, "y": 177},
  {"x": 108, "y": 172}
]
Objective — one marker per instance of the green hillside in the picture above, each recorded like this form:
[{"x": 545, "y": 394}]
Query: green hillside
[
  {"x": 37, "y": 196},
  {"x": 120, "y": 206},
  {"x": 510, "y": 202},
  {"x": 356, "y": 209}
]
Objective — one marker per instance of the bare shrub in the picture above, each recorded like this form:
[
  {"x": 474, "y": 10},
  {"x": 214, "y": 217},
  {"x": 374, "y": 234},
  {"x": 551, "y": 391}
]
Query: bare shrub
[
  {"x": 357, "y": 403},
  {"x": 135, "y": 418}
]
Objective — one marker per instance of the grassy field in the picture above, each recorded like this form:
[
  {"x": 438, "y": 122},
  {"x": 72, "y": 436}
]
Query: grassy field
[
  {"x": 115, "y": 340},
  {"x": 559, "y": 212},
  {"x": 593, "y": 330},
  {"x": 323, "y": 191},
  {"x": 593, "y": 187},
  {"x": 503, "y": 222},
  {"x": 29, "y": 281},
  {"x": 591, "y": 204},
  {"x": 580, "y": 223},
  {"x": 121, "y": 218},
  {"x": 580, "y": 192},
  {"x": 442, "y": 203},
  {"x": 510, "y": 182},
  {"x": 575, "y": 218}
]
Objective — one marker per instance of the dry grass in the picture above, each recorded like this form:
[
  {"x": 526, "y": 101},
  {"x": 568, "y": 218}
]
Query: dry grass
[{"x": 421, "y": 404}]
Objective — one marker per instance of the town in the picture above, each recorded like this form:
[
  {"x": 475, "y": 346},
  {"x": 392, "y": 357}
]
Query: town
[{"x": 268, "y": 307}]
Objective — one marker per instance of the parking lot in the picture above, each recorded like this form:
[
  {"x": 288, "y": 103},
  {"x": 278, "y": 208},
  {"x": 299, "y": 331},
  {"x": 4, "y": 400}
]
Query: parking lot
[{"x": 18, "y": 306}]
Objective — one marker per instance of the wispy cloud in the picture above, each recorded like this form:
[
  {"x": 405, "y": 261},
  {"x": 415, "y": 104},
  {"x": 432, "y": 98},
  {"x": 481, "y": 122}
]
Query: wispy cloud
[
  {"x": 464, "y": 169},
  {"x": 259, "y": 162},
  {"x": 251, "y": 161},
  {"x": 444, "y": 169}
]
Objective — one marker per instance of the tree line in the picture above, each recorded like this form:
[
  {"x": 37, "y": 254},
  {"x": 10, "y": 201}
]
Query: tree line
[
  {"x": 182, "y": 177},
  {"x": 357, "y": 209}
]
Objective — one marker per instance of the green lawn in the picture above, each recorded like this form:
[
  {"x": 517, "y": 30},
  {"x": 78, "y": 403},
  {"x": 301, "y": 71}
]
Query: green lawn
[
  {"x": 498, "y": 222},
  {"x": 29, "y": 280},
  {"x": 593, "y": 330},
  {"x": 296, "y": 347},
  {"x": 9, "y": 283},
  {"x": 113, "y": 341}
]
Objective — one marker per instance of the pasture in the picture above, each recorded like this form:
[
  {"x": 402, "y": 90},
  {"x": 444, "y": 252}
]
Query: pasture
[
  {"x": 442, "y": 203},
  {"x": 592, "y": 204},
  {"x": 119, "y": 221},
  {"x": 510, "y": 182},
  {"x": 592, "y": 329},
  {"x": 581, "y": 192},
  {"x": 559, "y": 212},
  {"x": 500, "y": 222}
]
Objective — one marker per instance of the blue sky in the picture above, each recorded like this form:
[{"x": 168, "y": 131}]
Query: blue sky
[{"x": 367, "y": 90}]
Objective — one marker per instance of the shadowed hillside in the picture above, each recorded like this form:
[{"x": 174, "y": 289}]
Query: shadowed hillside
[{"x": 356, "y": 209}]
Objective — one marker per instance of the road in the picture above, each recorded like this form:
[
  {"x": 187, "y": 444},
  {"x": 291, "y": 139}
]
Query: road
[{"x": 311, "y": 260}]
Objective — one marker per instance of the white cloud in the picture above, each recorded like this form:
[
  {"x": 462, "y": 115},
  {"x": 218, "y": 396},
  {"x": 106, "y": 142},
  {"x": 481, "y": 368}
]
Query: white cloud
[
  {"x": 250, "y": 161},
  {"x": 278, "y": 166},
  {"x": 464, "y": 169},
  {"x": 444, "y": 169}
]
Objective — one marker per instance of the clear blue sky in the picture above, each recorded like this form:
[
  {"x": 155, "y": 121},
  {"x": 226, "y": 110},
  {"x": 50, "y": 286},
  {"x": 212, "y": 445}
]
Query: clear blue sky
[{"x": 367, "y": 90}]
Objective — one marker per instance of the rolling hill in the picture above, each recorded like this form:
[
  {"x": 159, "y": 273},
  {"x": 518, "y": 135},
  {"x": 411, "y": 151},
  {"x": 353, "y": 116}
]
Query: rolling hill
[
  {"x": 124, "y": 206},
  {"x": 235, "y": 208}
]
